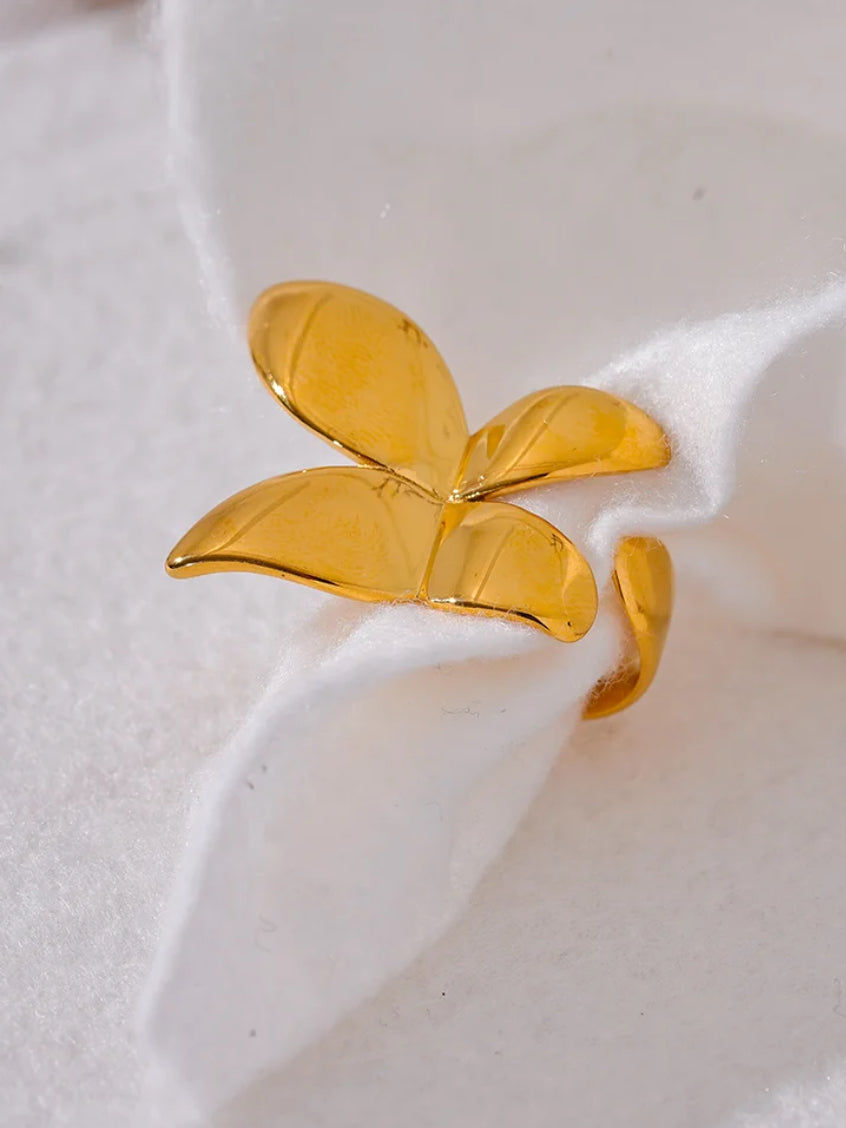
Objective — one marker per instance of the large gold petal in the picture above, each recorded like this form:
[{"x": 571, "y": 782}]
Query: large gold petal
[
  {"x": 363, "y": 376},
  {"x": 496, "y": 558},
  {"x": 643, "y": 575},
  {"x": 356, "y": 531},
  {"x": 560, "y": 433}
]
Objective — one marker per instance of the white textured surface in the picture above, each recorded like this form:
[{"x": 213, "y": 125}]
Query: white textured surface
[
  {"x": 660, "y": 944},
  {"x": 313, "y": 142},
  {"x": 116, "y": 683},
  {"x": 664, "y": 939},
  {"x": 816, "y": 1104},
  {"x": 389, "y": 762}
]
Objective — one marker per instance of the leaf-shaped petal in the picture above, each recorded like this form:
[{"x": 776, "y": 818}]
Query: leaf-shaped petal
[
  {"x": 568, "y": 432},
  {"x": 363, "y": 376},
  {"x": 357, "y": 531},
  {"x": 497, "y": 558}
]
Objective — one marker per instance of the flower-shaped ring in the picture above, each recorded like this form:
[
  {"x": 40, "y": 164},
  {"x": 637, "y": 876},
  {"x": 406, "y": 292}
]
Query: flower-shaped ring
[{"x": 418, "y": 517}]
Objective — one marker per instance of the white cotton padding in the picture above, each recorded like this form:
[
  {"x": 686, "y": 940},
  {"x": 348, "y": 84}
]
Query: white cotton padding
[
  {"x": 569, "y": 190},
  {"x": 818, "y": 1103},
  {"x": 330, "y": 834},
  {"x": 662, "y": 941},
  {"x": 339, "y": 834}
]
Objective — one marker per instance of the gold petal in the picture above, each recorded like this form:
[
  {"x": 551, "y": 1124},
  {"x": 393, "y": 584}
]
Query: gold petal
[
  {"x": 363, "y": 376},
  {"x": 497, "y": 559},
  {"x": 557, "y": 434},
  {"x": 356, "y": 531}
]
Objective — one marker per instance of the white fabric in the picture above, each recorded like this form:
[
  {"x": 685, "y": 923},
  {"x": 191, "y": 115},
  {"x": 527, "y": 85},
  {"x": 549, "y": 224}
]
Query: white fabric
[
  {"x": 384, "y": 772},
  {"x": 661, "y": 942},
  {"x": 819, "y": 1104},
  {"x": 670, "y": 915},
  {"x": 329, "y": 834}
]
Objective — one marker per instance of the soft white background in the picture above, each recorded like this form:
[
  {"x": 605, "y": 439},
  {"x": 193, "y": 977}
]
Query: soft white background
[{"x": 663, "y": 941}]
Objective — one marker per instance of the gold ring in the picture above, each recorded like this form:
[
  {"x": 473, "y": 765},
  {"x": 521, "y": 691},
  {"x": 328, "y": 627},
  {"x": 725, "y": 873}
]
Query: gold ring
[{"x": 418, "y": 518}]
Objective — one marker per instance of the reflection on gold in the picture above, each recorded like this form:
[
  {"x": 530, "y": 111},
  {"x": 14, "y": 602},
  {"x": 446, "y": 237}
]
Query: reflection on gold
[
  {"x": 363, "y": 376},
  {"x": 354, "y": 530},
  {"x": 410, "y": 521},
  {"x": 500, "y": 559},
  {"x": 643, "y": 576},
  {"x": 557, "y": 434}
]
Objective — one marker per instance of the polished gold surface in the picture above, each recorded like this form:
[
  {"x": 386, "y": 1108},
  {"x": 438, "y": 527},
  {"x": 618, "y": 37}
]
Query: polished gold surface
[
  {"x": 557, "y": 434},
  {"x": 499, "y": 559},
  {"x": 355, "y": 530},
  {"x": 643, "y": 576},
  {"x": 363, "y": 376},
  {"x": 414, "y": 519}
]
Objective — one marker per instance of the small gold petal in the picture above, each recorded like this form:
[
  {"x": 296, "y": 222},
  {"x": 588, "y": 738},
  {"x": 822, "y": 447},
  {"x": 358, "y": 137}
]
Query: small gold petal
[
  {"x": 558, "y": 434},
  {"x": 498, "y": 559}
]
